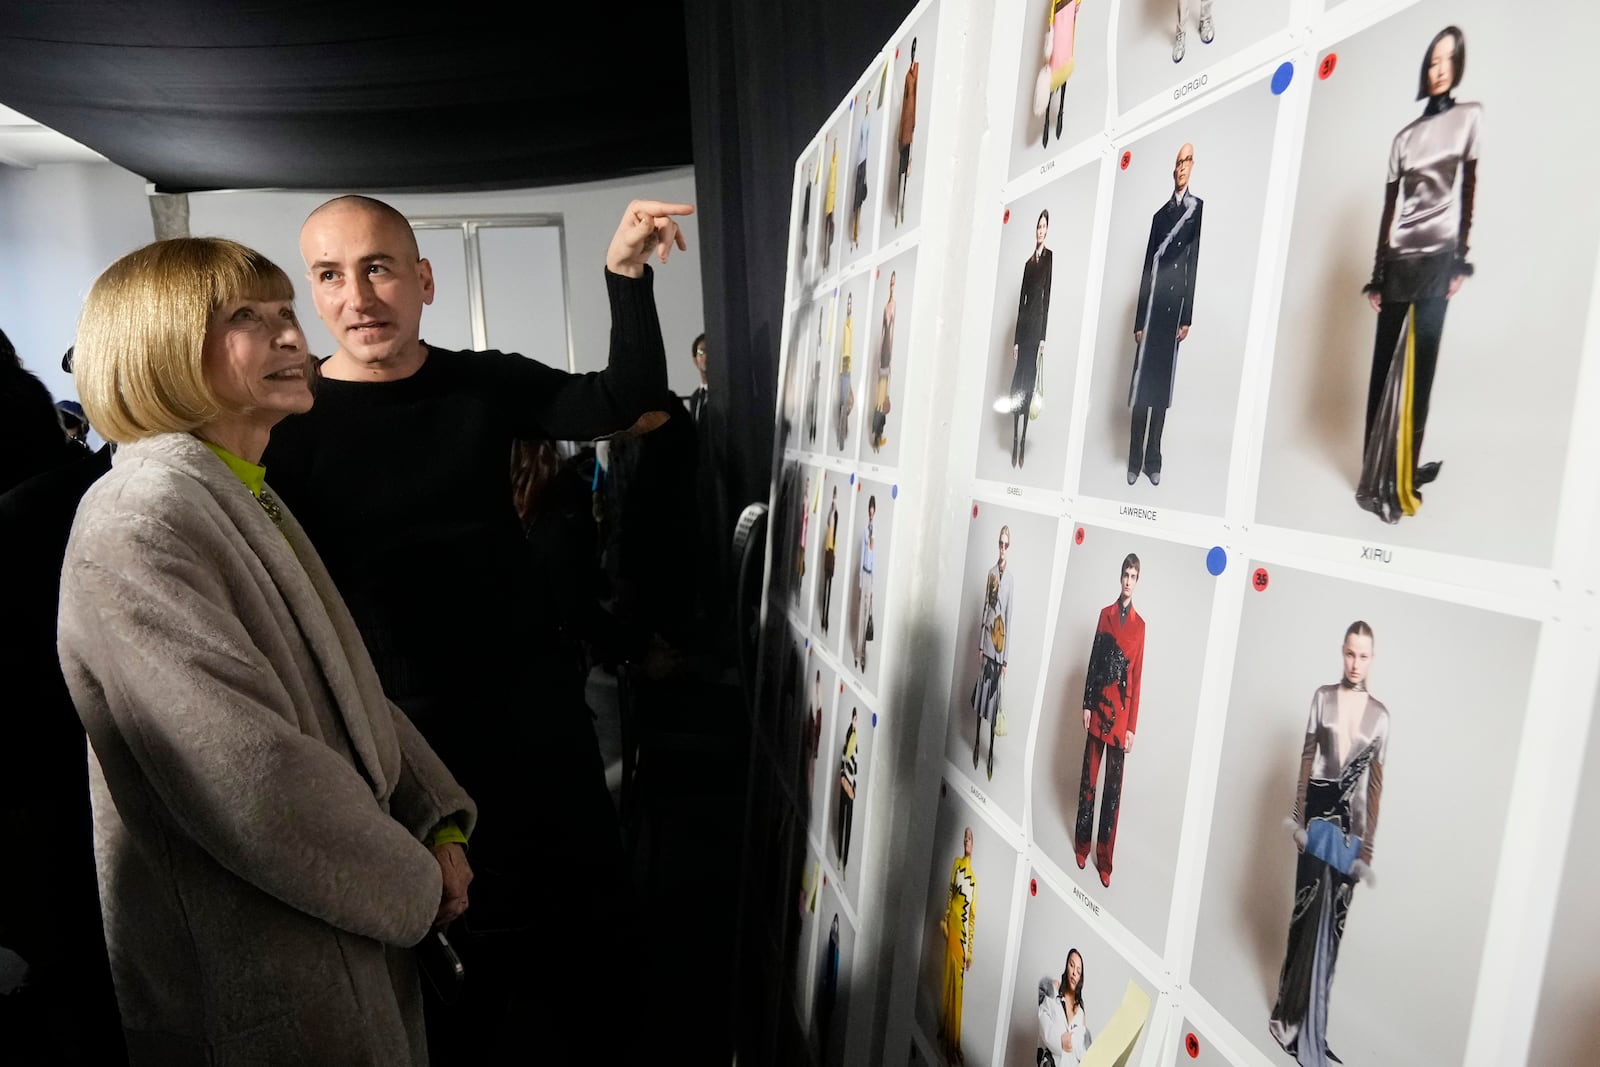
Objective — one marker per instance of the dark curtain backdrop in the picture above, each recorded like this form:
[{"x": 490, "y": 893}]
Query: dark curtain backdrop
[{"x": 763, "y": 78}]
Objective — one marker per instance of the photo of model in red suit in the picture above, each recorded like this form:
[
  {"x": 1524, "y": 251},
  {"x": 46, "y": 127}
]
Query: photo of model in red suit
[{"x": 1110, "y": 716}]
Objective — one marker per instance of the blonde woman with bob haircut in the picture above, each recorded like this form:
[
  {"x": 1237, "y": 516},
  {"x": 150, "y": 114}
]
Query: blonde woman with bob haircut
[{"x": 271, "y": 833}]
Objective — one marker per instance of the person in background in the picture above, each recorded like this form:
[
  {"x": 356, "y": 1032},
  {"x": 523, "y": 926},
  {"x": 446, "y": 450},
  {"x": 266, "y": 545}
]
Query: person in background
[
  {"x": 31, "y": 440},
  {"x": 400, "y": 475},
  {"x": 52, "y": 917},
  {"x": 697, "y": 400},
  {"x": 69, "y": 413},
  {"x": 271, "y": 832}
]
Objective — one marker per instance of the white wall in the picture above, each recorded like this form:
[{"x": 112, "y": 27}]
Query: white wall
[
  {"x": 270, "y": 222},
  {"x": 60, "y": 226}
]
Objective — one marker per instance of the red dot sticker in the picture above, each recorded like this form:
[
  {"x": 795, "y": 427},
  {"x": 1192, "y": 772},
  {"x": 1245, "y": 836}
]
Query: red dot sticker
[
  {"x": 1077, "y": 538},
  {"x": 877, "y": 274},
  {"x": 1326, "y": 67},
  {"x": 1033, "y": 887},
  {"x": 1127, "y": 157},
  {"x": 1006, "y": 217},
  {"x": 1259, "y": 579},
  {"x": 897, "y": 53},
  {"x": 858, "y": 487},
  {"x": 974, "y": 511},
  {"x": 1191, "y": 1045},
  {"x": 841, "y": 687}
]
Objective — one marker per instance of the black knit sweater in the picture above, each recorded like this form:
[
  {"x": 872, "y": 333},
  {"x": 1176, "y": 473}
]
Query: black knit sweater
[{"x": 404, "y": 488}]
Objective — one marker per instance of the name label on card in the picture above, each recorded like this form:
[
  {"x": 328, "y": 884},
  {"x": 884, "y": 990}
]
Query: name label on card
[
  {"x": 1046, "y": 168},
  {"x": 1190, "y": 87},
  {"x": 1375, "y": 554},
  {"x": 1084, "y": 899},
  {"x": 977, "y": 794},
  {"x": 1012, "y": 490},
  {"x": 1147, "y": 514}
]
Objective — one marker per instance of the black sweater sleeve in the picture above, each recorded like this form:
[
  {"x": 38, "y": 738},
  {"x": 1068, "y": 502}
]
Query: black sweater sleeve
[{"x": 561, "y": 406}]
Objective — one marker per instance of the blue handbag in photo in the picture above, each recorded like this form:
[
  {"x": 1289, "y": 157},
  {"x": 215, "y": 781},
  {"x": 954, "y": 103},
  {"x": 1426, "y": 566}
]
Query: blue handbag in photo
[{"x": 1328, "y": 843}]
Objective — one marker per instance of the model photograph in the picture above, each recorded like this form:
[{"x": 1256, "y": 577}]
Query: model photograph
[
  {"x": 1061, "y": 79},
  {"x": 962, "y": 975},
  {"x": 999, "y": 632},
  {"x": 1060, "y": 47},
  {"x": 830, "y": 553},
  {"x": 906, "y": 134},
  {"x": 850, "y": 767},
  {"x": 805, "y": 477},
  {"x": 1027, "y": 342},
  {"x": 1393, "y": 198},
  {"x": 797, "y": 337},
  {"x": 826, "y": 312},
  {"x": 880, "y": 378},
  {"x": 893, "y": 307},
  {"x": 1345, "y": 758},
  {"x": 1170, "y": 344},
  {"x": 831, "y": 999},
  {"x": 1116, "y": 735},
  {"x": 1196, "y": 14},
  {"x": 1110, "y": 718},
  {"x": 863, "y": 139},
  {"x": 1070, "y": 995},
  {"x": 1064, "y": 1035},
  {"x": 787, "y": 515},
  {"x": 994, "y": 611},
  {"x": 872, "y": 537},
  {"x": 830, "y": 202},
  {"x": 821, "y": 785},
  {"x": 958, "y": 928},
  {"x": 1035, "y": 331},
  {"x": 1163, "y": 316},
  {"x": 845, "y": 392},
  {"x": 1162, "y": 43},
  {"x": 1421, "y": 264},
  {"x": 866, "y": 561},
  {"x": 1334, "y": 823},
  {"x": 844, "y": 819}
]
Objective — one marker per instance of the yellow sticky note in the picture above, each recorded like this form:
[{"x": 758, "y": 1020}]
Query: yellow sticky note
[{"x": 1114, "y": 1045}]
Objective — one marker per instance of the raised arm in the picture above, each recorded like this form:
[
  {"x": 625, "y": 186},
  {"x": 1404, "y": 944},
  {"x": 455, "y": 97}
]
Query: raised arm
[{"x": 578, "y": 407}]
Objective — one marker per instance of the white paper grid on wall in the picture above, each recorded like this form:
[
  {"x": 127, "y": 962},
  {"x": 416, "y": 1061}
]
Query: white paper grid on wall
[{"x": 1164, "y": 258}]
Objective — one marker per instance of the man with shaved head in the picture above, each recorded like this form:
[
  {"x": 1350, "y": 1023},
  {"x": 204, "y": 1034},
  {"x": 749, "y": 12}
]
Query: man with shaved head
[
  {"x": 1162, "y": 317},
  {"x": 400, "y": 474}
]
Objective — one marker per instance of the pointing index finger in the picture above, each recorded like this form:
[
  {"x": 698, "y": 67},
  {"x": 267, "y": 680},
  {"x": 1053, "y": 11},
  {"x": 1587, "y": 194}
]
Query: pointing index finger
[{"x": 661, "y": 207}]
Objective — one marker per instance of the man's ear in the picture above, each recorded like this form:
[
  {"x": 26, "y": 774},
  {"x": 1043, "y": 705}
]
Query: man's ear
[{"x": 425, "y": 276}]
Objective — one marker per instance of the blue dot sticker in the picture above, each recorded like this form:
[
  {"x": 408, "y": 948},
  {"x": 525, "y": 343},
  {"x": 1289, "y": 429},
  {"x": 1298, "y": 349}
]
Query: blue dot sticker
[
  {"x": 1216, "y": 560},
  {"x": 894, "y": 492},
  {"x": 808, "y": 644},
  {"x": 1282, "y": 77},
  {"x": 852, "y": 479},
  {"x": 874, "y": 720}
]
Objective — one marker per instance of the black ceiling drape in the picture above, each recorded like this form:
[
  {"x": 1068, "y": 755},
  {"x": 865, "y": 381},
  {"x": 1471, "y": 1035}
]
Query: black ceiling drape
[
  {"x": 763, "y": 78},
  {"x": 293, "y": 94}
]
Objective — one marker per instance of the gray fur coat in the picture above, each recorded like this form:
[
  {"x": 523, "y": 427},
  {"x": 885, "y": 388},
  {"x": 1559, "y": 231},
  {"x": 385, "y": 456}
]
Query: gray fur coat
[{"x": 259, "y": 804}]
